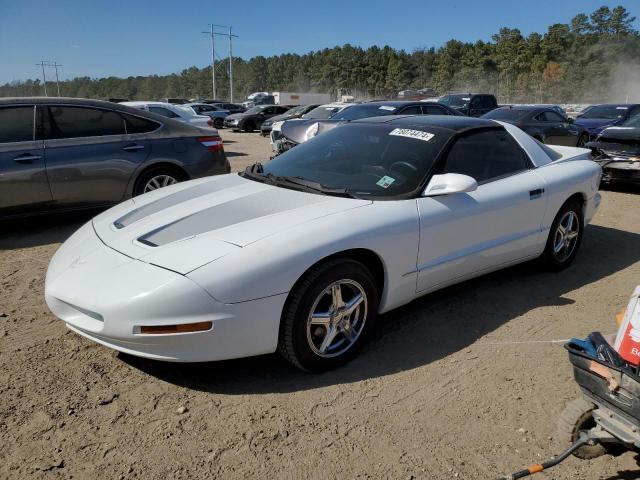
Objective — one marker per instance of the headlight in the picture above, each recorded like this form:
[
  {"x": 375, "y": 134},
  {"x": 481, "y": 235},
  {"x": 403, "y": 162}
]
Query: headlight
[{"x": 277, "y": 126}]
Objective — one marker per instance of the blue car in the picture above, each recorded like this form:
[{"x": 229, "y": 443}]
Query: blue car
[{"x": 598, "y": 117}]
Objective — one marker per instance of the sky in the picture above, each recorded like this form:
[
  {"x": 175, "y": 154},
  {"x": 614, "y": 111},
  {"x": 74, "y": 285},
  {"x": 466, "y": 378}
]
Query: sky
[{"x": 99, "y": 38}]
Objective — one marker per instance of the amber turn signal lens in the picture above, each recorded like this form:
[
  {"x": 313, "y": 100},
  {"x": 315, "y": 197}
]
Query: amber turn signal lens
[
  {"x": 183, "y": 328},
  {"x": 620, "y": 316}
]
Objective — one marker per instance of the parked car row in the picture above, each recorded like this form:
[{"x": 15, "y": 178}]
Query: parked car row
[{"x": 64, "y": 153}]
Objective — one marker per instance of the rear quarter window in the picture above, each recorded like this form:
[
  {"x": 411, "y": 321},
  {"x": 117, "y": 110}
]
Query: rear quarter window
[{"x": 139, "y": 125}]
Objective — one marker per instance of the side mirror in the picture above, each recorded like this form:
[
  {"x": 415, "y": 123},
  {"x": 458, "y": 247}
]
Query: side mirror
[
  {"x": 569, "y": 120},
  {"x": 449, "y": 183}
]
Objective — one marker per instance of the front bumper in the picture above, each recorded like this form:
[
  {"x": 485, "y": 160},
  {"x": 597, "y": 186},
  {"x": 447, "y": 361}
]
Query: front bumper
[
  {"x": 233, "y": 124},
  {"x": 107, "y": 296},
  {"x": 622, "y": 171}
]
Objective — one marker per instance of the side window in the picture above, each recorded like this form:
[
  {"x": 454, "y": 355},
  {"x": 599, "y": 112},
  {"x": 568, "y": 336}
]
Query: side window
[
  {"x": 163, "y": 111},
  {"x": 139, "y": 125},
  {"x": 476, "y": 102},
  {"x": 16, "y": 124},
  {"x": 413, "y": 110},
  {"x": 73, "y": 122},
  {"x": 488, "y": 101},
  {"x": 485, "y": 156},
  {"x": 268, "y": 111},
  {"x": 433, "y": 110},
  {"x": 550, "y": 117}
]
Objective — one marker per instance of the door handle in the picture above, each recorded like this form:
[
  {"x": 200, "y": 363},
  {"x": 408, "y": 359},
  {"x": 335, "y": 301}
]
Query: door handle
[
  {"x": 537, "y": 193},
  {"x": 133, "y": 148},
  {"x": 26, "y": 158}
]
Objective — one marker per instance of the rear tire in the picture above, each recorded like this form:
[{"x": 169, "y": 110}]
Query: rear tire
[
  {"x": 155, "y": 178},
  {"x": 575, "y": 417},
  {"x": 565, "y": 237},
  {"x": 329, "y": 315},
  {"x": 218, "y": 123}
]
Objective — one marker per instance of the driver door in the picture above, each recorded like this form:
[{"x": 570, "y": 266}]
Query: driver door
[{"x": 466, "y": 234}]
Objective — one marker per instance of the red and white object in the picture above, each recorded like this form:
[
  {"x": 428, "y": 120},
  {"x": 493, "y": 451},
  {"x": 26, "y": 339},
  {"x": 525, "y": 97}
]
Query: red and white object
[{"x": 628, "y": 338}]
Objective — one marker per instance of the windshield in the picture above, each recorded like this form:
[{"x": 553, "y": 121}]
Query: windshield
[
  {"x": 455, "y": 100},
  {"x": 368, "y": 160},
  {"x": 189, "y": 111},
  {"x": 321, "y": 113},
  {"x": 633, "y": 121},
  {"x": 364, "y": 111},
  {"x": 254, "y": 110},
  {"x": 608, "y": 112},
  {"x": 508, "y": 114},
  {"x": 294, "y": 110}
]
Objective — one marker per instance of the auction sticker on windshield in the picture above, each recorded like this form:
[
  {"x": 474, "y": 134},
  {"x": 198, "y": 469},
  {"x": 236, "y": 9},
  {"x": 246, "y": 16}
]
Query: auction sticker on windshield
[
  {"x": 385, "y": 181},
  {"x": 387, "y": 107},
  {"x": 407, "y": 132}
]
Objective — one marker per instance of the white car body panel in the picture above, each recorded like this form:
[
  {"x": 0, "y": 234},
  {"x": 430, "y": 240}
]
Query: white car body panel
[{"x": 229, "y": 250}]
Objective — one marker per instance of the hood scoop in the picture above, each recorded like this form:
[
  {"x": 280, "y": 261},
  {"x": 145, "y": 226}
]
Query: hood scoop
[{"x": 225, "y": 215}]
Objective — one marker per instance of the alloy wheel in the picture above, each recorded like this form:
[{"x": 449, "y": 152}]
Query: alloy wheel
[
  {"x": 159, "y": 181},
  {"x": 337, "y": 318},
  {"x": 566, "y": 236}
]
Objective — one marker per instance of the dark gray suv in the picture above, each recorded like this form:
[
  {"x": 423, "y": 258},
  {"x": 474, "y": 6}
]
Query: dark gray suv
[{"x": 64, "y": 153}]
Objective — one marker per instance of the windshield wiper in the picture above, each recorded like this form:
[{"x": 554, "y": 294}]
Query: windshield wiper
[
  {"x": 314, "y": 186},
  {"x": 256, "y": 172}
]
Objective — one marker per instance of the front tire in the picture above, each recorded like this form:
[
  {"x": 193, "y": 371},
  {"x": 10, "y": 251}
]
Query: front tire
[
  {"x": 565, "y": 237},
  {"x": 249, "y": 127},
  {"x": 329, "y": 315},
  {"x": 218, "y": 123}
]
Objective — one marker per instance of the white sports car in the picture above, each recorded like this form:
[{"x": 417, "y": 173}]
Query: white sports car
[{"x": 301, "y": 255}]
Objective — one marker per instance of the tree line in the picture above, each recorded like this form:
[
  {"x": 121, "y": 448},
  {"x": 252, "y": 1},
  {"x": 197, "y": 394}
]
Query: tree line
[{"x": 593, "y": 58}]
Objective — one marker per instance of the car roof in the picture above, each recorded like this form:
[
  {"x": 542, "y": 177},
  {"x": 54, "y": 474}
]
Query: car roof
[
  {"x": 56, "y": 100},
  {"x": 451, "y": 122},
  {"x": 154, "y": 104},
  {"x": 615, "y": 105},
  {"x": 525, "y": 108},
  {"x": 392, "y": 103}
]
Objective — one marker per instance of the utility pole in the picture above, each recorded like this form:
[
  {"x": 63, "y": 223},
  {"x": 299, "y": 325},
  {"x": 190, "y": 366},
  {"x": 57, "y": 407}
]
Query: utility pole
[
  {"x": 213, "y": 60},
  {"x": 56, "y": 65},
  {"x": 230, "y": 35},
  {"x": 44, "y": 77}
]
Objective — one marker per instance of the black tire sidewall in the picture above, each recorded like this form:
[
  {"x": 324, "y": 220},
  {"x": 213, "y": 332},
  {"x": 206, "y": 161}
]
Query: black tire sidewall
[
  {"x": 303, "y": 303},
  {"x": 548, "y": 256},
  {"x": 248, "y": 126},
  {"x": 218, "y": 123}
]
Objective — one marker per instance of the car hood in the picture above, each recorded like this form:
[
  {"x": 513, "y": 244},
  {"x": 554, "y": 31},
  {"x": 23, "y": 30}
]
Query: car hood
[
  {"x": 238, "y": 116},
  {"x": 622, "y": 141},
  {"x": 595, "y": 123},
  {"x": 300, "y": 130},
  {"x": 188, "y": 225},
  {"x": 277, "y": 118}
]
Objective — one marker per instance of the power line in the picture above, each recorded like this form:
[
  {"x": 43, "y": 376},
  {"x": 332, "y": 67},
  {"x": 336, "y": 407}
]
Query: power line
[
  {"x": 230, "y": 35},
  {"x": 54, "y": 64}
]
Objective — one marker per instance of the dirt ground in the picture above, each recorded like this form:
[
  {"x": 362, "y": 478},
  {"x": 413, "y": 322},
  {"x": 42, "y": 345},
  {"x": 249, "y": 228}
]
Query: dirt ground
[{"x": 463, "y": 383}]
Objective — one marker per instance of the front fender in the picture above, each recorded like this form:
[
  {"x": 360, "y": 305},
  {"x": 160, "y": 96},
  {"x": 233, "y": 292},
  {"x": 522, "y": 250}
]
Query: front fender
[{"x": 272, "y": 265}]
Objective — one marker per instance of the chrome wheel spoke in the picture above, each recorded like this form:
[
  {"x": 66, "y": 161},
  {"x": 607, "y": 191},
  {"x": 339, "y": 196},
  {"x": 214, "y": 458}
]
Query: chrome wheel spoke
[
  {"x": 329, "y": 336},
  {"x": 352, "y": 304},
  {"x": 321, "y": 318},
  {"x": 336, "y": 297},
  {"x": 349, "y": 333}
]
